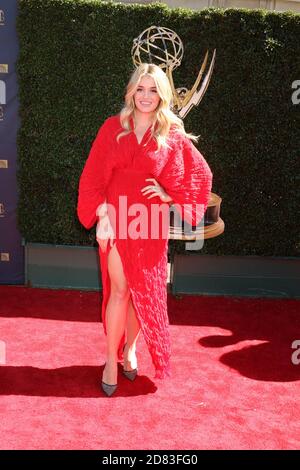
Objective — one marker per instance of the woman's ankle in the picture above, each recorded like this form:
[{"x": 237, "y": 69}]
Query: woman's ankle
[
  {"x": 130, "y": 359},
  {"x": 111, "y": 361}
]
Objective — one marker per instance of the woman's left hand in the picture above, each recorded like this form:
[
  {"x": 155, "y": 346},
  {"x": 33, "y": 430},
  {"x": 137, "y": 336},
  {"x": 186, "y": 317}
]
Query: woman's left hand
[{"x": 157, "y": 190}]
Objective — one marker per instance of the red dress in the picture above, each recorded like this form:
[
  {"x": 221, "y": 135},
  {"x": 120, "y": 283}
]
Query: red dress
[{"x": 120, "y": 169}]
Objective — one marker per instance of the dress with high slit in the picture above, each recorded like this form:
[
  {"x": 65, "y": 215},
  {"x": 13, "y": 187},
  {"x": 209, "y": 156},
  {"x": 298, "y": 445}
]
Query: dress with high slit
[{"x": 116, "y": 172}]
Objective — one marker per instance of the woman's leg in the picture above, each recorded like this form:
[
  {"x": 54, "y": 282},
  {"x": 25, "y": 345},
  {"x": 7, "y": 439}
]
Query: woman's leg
[
  {"x": 115, "y": 314},
  {"x": 133, "y": 331}
]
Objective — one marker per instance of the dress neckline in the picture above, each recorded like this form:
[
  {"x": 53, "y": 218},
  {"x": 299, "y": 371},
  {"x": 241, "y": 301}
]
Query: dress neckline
[{"x": 134, "y": 134}]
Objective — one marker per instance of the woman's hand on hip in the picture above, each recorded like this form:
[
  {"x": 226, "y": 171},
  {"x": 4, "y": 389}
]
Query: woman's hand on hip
[
  {"x": 104, "y": 233},
  {"x": 156, "y": 190}
]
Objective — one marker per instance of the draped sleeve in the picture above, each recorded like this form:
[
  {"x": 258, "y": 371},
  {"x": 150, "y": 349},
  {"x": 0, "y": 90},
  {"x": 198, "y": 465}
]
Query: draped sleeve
[
  {"x": 187, "y": 178},
  {"x": 95, "y": 176}
]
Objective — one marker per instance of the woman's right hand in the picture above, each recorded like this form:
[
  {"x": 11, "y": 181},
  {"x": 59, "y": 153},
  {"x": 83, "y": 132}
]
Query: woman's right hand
[{"x": 104, "y": 233}]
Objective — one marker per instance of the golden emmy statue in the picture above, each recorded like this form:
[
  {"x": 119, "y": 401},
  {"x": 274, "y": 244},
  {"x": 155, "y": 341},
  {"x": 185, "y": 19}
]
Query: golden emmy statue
[{"x": 164, "y": 47}]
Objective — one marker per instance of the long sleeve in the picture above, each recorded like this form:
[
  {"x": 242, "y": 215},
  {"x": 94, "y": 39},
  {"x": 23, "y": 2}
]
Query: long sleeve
[
  {"x": 187, "y": 178},
  {"x": 95, "y": 177}
]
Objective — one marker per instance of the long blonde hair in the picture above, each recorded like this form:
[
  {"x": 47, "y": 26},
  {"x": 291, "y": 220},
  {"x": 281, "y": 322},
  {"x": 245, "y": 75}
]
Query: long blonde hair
[{"x": 164, "y": 116}]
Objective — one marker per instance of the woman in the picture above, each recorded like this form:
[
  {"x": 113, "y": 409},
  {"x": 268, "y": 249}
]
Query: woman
[{"x": 141, "y": 161}]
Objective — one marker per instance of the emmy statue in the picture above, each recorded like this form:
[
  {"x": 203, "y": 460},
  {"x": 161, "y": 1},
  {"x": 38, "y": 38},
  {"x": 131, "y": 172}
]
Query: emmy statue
[{"x": 164, "y": 47}]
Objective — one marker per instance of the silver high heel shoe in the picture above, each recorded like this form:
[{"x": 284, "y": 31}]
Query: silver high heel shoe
[
  {"x": 130, "y": 374},
  {"x": 108, "y": 389}
]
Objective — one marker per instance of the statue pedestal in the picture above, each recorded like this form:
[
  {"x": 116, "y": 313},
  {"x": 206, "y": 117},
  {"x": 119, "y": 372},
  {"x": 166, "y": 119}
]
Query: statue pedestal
[{"x": 211, "y": 227}]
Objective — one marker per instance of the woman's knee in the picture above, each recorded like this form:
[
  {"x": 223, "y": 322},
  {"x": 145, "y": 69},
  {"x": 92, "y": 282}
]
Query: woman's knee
[{"x": 120, "y": 292}]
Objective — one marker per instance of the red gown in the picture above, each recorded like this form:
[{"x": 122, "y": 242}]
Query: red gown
[{"x": 120, "y": 169}]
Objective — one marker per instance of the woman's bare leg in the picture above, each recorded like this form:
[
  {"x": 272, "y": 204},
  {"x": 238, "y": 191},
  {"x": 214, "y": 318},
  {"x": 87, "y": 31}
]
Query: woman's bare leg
[
  {"x": 116, "y": 312},
  {"x": 133, "y": 331}
]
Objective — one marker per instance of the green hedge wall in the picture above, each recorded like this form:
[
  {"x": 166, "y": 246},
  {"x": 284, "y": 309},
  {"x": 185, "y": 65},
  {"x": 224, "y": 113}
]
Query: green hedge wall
[{"x": 73, "y": 67}]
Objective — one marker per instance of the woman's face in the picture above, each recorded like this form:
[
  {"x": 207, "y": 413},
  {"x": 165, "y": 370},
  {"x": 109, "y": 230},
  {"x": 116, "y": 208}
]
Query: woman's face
[{"x": 146, "y": 97}]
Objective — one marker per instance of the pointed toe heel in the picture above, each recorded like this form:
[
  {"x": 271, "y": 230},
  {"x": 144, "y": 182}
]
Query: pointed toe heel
[
  {"x": 108, "y": 389},
  {"x": 130, "y": 374}
]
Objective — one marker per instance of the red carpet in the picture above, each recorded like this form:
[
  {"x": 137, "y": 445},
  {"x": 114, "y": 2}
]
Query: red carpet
[{"x": 233, "y": 386}]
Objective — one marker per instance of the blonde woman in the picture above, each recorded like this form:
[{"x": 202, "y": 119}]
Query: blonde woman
[{"x": 141, "y": 161}]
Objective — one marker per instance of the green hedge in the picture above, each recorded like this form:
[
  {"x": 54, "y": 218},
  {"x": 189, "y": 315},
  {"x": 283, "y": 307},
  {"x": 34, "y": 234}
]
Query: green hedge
[{"x": 73, "y": 67}]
